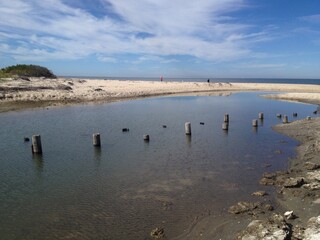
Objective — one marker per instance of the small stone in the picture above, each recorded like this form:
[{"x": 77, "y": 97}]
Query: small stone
[
  {"x": 317, "y": 201},
  {"x": 259, "y": 193},
  {"x": 311, "y": 166},
  {"x": 289, "y": 215},
  {"x": 268, "y": 207},
  {"x": 293, "y": 182},
  {"x": 157, "y": 233},
  {"x": 298, "y": 233},
  {"x": 242, "y": 207},
  {"x": 314, "y": 176},
  {"x": 312, "y": 186}
]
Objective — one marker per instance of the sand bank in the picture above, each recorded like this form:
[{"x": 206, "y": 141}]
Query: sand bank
[
  {"x": 311, "y": 97},
  {"x": 48, "y": 92}
]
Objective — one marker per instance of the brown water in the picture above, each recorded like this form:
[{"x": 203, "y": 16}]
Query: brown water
[{"x": 129, "y": 187}]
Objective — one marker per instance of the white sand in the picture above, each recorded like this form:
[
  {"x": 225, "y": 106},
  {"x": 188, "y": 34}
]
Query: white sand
[{"x": 88, "y": 90}]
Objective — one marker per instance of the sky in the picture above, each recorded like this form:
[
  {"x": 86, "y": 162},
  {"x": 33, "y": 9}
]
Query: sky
[{"x": 173, "y": 38}]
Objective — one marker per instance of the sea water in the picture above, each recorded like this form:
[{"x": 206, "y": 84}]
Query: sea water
[{"x": 128, "y": 187}]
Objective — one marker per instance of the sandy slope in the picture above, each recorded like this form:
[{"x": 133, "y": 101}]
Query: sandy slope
[{"x": 87, "y": 90}]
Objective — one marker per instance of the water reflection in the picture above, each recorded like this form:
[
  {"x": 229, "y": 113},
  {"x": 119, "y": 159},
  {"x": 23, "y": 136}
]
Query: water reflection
[
  {"x": 38, "y": 162},
  {"x": 97, "y": 156}
]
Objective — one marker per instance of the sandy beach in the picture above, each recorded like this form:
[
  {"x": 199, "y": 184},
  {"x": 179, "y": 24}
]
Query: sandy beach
[
  {"x": 40, "y": 92},
  {"x": 298, "y": 188}
]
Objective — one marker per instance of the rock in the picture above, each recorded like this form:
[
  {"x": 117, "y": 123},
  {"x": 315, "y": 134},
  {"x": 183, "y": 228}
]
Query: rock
[
  {"x": 289, "y": 215},
  {"x": 167, "y": 205},
  {"x": 312, "y": 231},
  {"x": 278, "y": 152},
  {"x": 297, "y": 233},
  {"x": 125, "y": 129},
  {"x": 268, "y": 207},
  {"x": 268, "y": 179},
  {"x": 157, "y": 233},
  {"x": 201, "y": 123},
  {"x": 314, "y": 176},
  {"x": 293, "y": 182},
  {"x": 26, "y": 139},
  {"x": 274, "y": 228},
  {"x": 242, "y": 207},
  {"x": 312, "y": 186},
  {"x": 259, "y": 193},
  {"x": 311, "y": 166},
  {"x": 317, "y": 201},
  {"x": 98, "y": 89},
  {"x": 251, "y": 208}
]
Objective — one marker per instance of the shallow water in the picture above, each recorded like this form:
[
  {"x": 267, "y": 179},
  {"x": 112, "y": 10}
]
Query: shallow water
[{"x": 129, "y": 187}]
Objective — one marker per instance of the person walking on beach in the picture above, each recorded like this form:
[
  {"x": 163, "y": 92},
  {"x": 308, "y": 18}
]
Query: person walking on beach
[{"x": 161, "y": 78}]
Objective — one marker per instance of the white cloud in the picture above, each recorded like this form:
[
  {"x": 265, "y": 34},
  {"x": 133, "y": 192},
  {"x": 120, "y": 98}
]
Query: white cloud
[
  {"x": 312, "y": 18},
  {"x": 262, "y": 65},
  {"x": 50, "y": 29}
]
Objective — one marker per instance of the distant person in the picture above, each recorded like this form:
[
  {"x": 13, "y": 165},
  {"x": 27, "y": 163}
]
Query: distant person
[
  {"x": 161, "y": 78},
  {"x": 208, "y": 80}
]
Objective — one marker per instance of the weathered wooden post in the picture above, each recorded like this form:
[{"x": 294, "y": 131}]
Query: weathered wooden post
[
  {"x": 36, "y": 144},
  {"x": 187, "y": 127},
  {"x": 254, "y": 123},
  {"x": 285, "y": 119},
  {"x": 96, "y": 140},
  {"x": 226, "y": 118},
  {"x": 225, "y": 126},
  {"x": 146, "y": 138},
  {"x": 261, "y": 116}
]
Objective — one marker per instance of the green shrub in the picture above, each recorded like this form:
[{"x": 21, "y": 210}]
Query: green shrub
[{"x": 23, "y": 70}]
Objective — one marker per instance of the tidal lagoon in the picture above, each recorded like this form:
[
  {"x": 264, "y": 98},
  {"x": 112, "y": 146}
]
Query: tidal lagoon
[{"x": 129, "y": 187}]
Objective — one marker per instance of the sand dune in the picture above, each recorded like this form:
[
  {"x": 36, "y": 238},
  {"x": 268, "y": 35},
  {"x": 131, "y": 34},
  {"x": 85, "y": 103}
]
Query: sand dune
[{"x": 64, "y": 90}]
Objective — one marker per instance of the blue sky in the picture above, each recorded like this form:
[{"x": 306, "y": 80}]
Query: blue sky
[{"x": 174, "y": 38}]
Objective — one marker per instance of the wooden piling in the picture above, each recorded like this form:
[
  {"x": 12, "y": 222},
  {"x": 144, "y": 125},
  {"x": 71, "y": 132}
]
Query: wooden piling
[
  {"x": 225, "y": 126},
  {"x": 36, "y": 144},
  {"x": 226, "y": 118},
  {"x": 254, "y": 123},
  {"x": 187, "y": 127},
  {"x": 261, "y": 116},
  {"x": 285, "y": 119},
  {"x": 96, "y": 139},
  {"x": 146, "y": 137}
]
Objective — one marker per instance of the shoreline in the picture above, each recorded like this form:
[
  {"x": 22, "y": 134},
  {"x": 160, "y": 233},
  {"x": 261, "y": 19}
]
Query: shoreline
[
  {"x": 297, "y": 215},
  {"x": 39, "y": 92}
]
